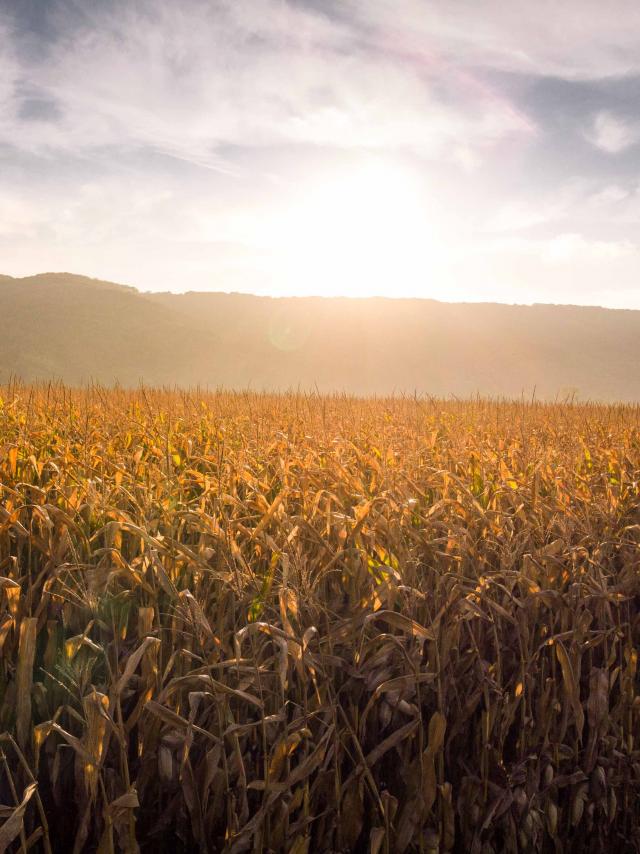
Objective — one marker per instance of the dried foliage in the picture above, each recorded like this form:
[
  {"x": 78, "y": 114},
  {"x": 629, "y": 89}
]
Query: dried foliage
[{"x": 236, "y": 622}]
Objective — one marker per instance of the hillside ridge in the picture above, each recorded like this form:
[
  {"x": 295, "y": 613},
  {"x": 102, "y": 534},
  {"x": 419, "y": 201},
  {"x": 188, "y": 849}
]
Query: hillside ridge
[{"x": 78, "y": 329}]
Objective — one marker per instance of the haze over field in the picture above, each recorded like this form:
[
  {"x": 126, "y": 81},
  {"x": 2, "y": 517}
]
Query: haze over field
[
  {"x": 454, "y": 151},
  {"x": 58, "y": 326}
]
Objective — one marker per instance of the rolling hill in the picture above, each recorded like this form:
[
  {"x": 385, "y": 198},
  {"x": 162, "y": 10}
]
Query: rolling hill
[{"x": 62, "y": 326}]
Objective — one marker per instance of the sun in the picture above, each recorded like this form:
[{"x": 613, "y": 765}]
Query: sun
[{"x": 361, "y": 232}]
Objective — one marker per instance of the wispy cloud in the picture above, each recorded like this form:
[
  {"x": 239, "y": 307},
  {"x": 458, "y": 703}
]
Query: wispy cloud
[
  {"x": 189, "y": 78},
  {"x": 575, "y": 40}
]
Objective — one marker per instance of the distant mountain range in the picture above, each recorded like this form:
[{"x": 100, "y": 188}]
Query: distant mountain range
[{"x": 62, "y": 326}]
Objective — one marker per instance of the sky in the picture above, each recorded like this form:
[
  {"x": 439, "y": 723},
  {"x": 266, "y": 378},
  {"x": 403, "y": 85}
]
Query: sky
[{"x": 451, "y": 149}]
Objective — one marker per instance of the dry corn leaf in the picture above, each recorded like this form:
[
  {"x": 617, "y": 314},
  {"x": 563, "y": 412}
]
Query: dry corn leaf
[{"x": 11, "y": 828}]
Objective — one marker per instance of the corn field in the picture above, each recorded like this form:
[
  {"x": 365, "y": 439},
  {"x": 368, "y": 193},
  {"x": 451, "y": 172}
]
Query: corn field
[{"x": 261, "y": 623}]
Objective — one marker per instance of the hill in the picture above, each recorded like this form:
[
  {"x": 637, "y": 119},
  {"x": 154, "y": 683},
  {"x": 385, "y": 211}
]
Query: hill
[
  {"x": 78, "y": 329},
  {"x": 59, "y": 326}
]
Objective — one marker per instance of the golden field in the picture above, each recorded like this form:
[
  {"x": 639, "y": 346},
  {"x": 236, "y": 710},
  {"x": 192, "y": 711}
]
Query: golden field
[{"x": 242, "y": 622}]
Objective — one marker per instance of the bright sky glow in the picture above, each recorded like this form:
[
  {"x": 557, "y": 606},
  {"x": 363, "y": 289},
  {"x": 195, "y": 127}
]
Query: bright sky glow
[
  {"x": 452, "y": 150},
  {"x": 365, "y": 231}
]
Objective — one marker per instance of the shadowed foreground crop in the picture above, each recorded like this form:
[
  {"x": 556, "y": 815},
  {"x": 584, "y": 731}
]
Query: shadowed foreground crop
[{"x": 233, "y": 622}]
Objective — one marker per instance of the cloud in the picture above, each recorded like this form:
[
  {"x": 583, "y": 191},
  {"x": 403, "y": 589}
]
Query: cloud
[
  {"x": 9, "y": 67},
  {"x": 575, "y": 40},
  {"x": 189, "y": 78},
  {"x": 39, "y": 108},
  {"x": 529, "y": 210},
  {"x": 612, "y": 133}
]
